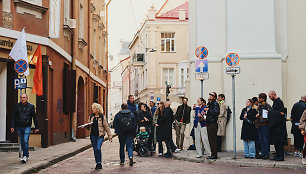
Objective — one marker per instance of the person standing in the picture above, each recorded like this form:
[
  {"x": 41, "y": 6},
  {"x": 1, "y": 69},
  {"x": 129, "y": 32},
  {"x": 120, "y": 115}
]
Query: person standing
[
  {"x": 125, "y": 128},
  {"x": 248, "y": 130},
  {"x": 257, "y": 145},
  {"x": 200, "y": 128},
  {"x": 277, "y": 126},
  {"x": 153, "y": 107},
  {"x": 296, "y": 113},
  {"x": 97, "y": 132},
  {"x": 23, "y": 115},
  {"x": 213, "y": 112},
  {"x": 182, "y": 118},
  {"x": 302, "y": 127},
  {"x": 261, "y": 123},
  {"x": 222, "y": 120}
]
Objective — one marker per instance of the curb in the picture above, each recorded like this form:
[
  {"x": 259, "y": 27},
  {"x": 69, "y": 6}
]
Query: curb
[
  {"x": 240, "y": 163},
  {"x": 35, "y": 167}
]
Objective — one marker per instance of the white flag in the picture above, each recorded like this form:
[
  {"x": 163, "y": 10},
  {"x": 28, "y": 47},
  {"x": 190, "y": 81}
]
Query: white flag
[{"x": 19, "y": 50}]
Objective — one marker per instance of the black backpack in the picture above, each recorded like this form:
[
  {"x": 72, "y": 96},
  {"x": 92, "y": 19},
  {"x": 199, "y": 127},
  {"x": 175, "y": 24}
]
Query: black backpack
[
  {"x": 229, "y": 113},
  {"x": 127, "y": 126}
]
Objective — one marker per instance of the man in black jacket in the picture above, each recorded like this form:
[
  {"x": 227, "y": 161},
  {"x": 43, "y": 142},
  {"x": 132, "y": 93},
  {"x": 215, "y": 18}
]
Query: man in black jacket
[
  {"x": 22, "y": 120},
  {"x": 296, "y": 113},
  {"x": 213, "y": 112},
  {"x": 182, "y": 118},
  {"x": 277, "y": 126}
]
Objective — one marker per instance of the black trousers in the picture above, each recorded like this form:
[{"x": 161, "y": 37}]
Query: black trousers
[
  {"x": 279, "y": 148},
  {"x": 219, "y": 142},
  {"x": 298, "y": 141},
  {"x": 212, "y": 138}
]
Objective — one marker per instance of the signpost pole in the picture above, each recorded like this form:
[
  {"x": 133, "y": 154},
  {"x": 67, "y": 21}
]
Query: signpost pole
[
  {"x": 20, "y": 90},
  {"x": 202, "y": 81},
  {"x": 234, "y": 115}
]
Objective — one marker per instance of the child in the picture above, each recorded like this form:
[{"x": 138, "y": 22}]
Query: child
[{"x": 143, "y": 134}]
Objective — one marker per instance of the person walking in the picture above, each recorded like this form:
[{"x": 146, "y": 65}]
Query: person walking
[
  {"x": 23, "y": 115},
  {"x": 200, "y": 128},
  {"x": 125, "y": 128},
  {"x": 97, "y": 132},
  {"x": 248, "y": 131},
  {"x": 213, "y": 112},
  {"x": 302, "y": 127},
  {"x": 131, "y": 104},
  {"x": 277, "y": 126},
  {"x": 261, "y": 123},
  {"x": 182, "y": 118},
  {"x": 296, "y": 113},
  {"x": 222, "y": 120}
]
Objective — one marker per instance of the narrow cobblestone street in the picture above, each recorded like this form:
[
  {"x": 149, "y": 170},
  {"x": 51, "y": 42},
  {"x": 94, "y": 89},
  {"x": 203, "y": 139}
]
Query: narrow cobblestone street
[{"x": 84, "y": 163}]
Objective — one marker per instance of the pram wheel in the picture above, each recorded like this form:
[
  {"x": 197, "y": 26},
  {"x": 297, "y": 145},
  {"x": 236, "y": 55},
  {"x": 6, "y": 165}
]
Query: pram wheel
[{"x": 143, "y": 151}]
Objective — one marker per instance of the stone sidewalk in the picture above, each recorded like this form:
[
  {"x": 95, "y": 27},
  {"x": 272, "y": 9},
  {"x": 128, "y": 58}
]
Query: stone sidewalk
[
  {"x": 42, "y": 157},
  {"x": 290, "y": 162}
]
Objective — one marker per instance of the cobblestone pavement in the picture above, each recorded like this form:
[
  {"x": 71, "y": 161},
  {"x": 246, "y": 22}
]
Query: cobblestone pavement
[{"x": 84, "y": 163}]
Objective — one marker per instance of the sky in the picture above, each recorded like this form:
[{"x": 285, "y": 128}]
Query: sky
[{"x": 125, "y": 17}]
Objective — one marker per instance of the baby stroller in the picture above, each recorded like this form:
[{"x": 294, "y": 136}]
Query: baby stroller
[{"x": 143, "y": 145}]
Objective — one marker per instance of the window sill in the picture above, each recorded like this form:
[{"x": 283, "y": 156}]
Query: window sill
[
  {"x": 30, "y": 6},
  {"x": 168, "y": 52}
]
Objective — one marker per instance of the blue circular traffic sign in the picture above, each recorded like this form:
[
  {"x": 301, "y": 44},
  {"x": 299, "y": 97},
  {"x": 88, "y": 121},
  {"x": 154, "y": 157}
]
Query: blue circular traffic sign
[
  {"x": 21, "y": 66},
  {"x": 232, "y": 59},
  {"x": 201, "y": 52}
]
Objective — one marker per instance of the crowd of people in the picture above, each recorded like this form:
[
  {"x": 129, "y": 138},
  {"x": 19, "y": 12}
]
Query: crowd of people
[{"x": 262, "y": 125}]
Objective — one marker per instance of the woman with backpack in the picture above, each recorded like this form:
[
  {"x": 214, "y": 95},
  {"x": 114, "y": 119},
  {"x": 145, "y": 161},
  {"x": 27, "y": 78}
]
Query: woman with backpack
[
  {"x": 249, "y": 131},
  {"x": 97, "y": 132}
]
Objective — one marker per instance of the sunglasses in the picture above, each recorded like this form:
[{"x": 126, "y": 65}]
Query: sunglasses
[{"x": 212, "y": 94}]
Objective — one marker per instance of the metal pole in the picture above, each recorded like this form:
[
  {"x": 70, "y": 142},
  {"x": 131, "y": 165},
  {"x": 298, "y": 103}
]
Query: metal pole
[
  {"x": 234, "y": 119},
  {"x": 20, "y": 90},
  {"x": 202, "y": 88}
]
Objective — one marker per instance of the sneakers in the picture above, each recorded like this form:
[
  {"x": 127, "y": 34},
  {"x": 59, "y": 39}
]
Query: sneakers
[
  {"x": 24, "y": 159},
  {"x": 304, "y": 161},
  {"x": 160, "y": 154},
  {"x": 296, "y": 154},
  {"x": 177, "y": 150},
  {"x": 199, "y": 156},
  {"x": 131, "y": 161},
  {"x": 98, "y": 166}
]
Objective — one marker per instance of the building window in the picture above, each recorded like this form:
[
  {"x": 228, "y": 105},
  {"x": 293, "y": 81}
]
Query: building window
[
  {"x": 167, "y": 42},
  {"x": 168, "y": 76}
]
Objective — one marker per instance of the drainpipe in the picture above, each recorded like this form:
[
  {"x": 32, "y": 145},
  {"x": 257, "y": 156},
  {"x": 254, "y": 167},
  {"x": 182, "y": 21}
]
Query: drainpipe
[
  {"x": 89, "y": 58},
  {"x": 107, "y": 76},
  {"x": 73, "y": 69}
]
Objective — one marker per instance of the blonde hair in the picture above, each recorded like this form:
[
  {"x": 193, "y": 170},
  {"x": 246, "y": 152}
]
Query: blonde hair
[
  {"x": 98, "y": 107},
  {"x": 142, "y": 128}
]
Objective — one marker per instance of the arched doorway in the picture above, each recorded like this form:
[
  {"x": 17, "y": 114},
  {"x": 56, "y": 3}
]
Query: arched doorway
[{"x": 80, "y": 109}]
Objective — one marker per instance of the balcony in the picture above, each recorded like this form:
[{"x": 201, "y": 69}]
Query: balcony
[{"x": 138, "y": 60}]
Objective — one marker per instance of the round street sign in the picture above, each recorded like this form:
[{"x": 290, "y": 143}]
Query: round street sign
[
  {"x": 232, "y": 59},
  {"x": 201, "y": 52},
  {"x": 20, "y": 66}
]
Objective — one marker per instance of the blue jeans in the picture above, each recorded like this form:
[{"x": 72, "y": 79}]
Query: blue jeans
[
  {"x": 263, "y": 136},
  {"x": 96, "y": 143},
  {"x": 249, "y": 149},
  {"x": 24, "y": 135},
  {"x": 128, "y": 142}
]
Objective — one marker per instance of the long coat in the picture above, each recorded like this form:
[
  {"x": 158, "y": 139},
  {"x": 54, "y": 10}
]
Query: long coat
[
  {"x": 165, "y": 123},
  {"x": 222, "y": 119},
  {"x": 296, "y": 114},
  {"x": 146, "y": 124},
  {"x": 277, "y": 123},
  {"x": 248, "y": 131}
]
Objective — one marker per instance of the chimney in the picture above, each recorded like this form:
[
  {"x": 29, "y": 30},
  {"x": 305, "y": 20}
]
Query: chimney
[
  {"x": 151, "y": 13},
  {"x": 182, "y": 14}
]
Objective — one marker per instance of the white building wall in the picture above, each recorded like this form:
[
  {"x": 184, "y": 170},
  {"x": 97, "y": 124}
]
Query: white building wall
[{"x": 243, "y": 26}]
